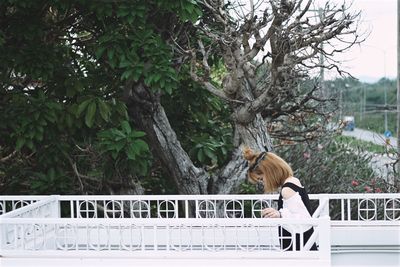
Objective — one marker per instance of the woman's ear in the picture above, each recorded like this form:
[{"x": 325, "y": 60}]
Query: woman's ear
[{"x": 248, "y": 154}]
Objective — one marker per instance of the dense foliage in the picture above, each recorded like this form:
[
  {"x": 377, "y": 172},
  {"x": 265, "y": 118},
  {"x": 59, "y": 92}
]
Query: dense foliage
[
  {"x": 73, "y": 74},
  {"x": 65, "y": 127}
]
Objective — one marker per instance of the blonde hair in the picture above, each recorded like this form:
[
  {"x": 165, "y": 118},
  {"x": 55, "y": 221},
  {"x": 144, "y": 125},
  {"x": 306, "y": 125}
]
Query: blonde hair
[{"x": 271, "y": 168}]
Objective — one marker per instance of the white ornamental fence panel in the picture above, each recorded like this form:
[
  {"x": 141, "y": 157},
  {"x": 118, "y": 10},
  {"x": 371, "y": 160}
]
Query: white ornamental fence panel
[
  {"x": 189, "y": 224},
  {"x": 10, "y": 203},
  {"x": 219, "y": 237},
  {"x": 82, "y": 225},
  {"x": 341, "y": 208},
  {"x": 362, "y": 207}
]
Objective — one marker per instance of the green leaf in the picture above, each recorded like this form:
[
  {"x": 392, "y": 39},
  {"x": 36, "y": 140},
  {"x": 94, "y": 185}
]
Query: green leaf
[
  {"x": 20, "y": 143},
  {"x": 141, "y": 145},
  {"x": 224, "y": 151},
  {"x": 131, "y": 152},
  {"x": 100, "y": 51},
  {"x": 141, "y": 168},
  {"x": 79, "y": 86},
  {"x": 118, "y": 135},
  {"x": 68, "y": 120},
  {"x": 136, "y": 74},
  {"x": 104, "y": 110},
  {"x": 125, "y": 63},
  {"x": 210, "y": 155},
  {"x": 110, "y": 53},
  {"x": 91, "y": 111},
  {"x": 126, "y": 75},
  {"x": 121, "y": 109},
  {"x": 126, "y": 127},
  {"x": 156, "y": 77},
  {"x": 200, "y": 155},
  {"x": 42, "y": 122},
  {"x": 138, "y": 134},
  {"x": 122, "y": 12},
  {"x": 148, "y": 80},
  {"x": 119, "y": 145},
  {"x": 29, "y": 144},
  {"x": 82, "y": 106},
  {"x": 70, "y": 91},
  {"x": 51, "y": 116},
  {"x": 39, "y": 136}
]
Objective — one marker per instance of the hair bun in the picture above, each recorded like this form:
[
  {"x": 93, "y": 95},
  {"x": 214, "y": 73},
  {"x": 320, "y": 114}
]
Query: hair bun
[{"x": 248, "y": 154}]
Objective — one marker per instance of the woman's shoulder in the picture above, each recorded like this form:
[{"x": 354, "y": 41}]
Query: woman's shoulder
[
  {"x": 288, "y": 190},
  {"x": 293, "y": 180}
]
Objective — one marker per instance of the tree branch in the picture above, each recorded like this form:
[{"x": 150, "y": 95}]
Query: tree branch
[{"x": 9, "y": 156}]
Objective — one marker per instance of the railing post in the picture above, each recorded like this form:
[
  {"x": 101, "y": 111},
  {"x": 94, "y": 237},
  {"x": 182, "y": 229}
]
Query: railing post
[
  {"x": 2, "y": 236},
  {"x": 325, "y": 211},
  {"x": 55, "y": 206},
  {"x": 325, "y": 239}
]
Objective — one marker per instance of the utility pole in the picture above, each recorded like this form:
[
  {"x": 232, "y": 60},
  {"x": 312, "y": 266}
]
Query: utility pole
[
  {"x": 365, "y": 98},
  {"x": 341, "y": 101},
  {"x": 397, "y": 178},
  {"x": 386, "y": 106},
  {"x": 385, "y": 85},
  {"x": 324, "y": 93},
  {"x": 340, "y": 104},
  {"x": 361, "y": 106}
]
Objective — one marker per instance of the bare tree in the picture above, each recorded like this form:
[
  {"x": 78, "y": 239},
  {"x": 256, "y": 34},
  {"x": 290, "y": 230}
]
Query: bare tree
[{"x": 269, "y": 49}]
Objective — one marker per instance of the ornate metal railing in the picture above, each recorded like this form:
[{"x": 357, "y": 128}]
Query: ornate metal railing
[
  {"x": 160, "y": 235},
  {"x": 363, "y": 207},
  {"x": 342, "y": 207},
  {"x": 78, "y": 225},
  {"x": 190, "y": 224},
  {"x": 10, "y": 203}
]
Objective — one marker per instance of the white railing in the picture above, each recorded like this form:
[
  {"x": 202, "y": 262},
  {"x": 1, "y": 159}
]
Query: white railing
[
  {"x": 190, "y": 225},
  {"x": 215, "y": 226},
  {"x": 244, "y": 237},
  {"x": 342, "y": 207},
  {"x": 362, "y": 207},
  {"x": 48, "y": 207},
  {"x": 168, "y": 206},
  {"x": 364, "y": 222},
  {"x": 10, "y": 203}
]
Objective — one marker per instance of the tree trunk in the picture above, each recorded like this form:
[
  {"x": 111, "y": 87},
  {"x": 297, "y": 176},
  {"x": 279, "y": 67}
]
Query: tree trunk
[
  {"x": 150, "y": 116},
  {"x": 147, "y": 111},
  {"x": 254, "y": 135}
]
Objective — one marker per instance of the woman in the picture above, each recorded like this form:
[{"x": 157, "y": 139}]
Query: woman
[{"x": 271, "y": 172}]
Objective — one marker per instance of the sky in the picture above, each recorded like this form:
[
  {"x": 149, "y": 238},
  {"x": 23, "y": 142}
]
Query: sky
[{"x": 377, "y": 56}]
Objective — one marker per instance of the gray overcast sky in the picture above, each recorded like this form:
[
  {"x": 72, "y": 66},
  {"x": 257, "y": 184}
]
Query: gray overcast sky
[{"x": 377, "y": 56}]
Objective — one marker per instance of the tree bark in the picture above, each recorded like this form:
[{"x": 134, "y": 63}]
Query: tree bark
[
  {"x": 150, "y": 116},
  {"x": 147, "y": 111},
  {"x": 253, "y": 134}
]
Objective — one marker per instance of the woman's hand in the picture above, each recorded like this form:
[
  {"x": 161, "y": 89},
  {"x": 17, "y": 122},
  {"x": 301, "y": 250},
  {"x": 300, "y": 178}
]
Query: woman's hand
[{"x": 270, "y": 213}]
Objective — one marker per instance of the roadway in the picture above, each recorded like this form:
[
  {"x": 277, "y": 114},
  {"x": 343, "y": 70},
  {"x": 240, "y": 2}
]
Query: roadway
[
  {"x": 369, "y": 136},
  {"x": 381, "y": 164}
]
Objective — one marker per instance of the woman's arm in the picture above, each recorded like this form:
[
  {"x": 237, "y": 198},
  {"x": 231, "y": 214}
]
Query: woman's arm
[{"x": 293, "y": 206}]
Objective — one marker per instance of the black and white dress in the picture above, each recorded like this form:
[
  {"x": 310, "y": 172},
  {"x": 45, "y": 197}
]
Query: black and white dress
[{"x": 298, "y": 207}]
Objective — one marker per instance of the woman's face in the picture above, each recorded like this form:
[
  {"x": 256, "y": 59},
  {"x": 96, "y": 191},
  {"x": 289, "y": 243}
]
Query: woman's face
[{"x": 259, "y": 181}]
